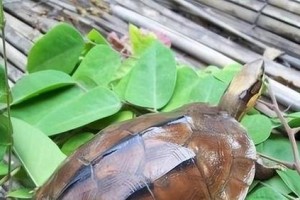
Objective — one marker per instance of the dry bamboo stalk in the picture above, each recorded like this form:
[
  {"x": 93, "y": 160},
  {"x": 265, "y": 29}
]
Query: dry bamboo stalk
[
  {"x": 22, "y": 28},
  {"x": 15, "y": 56},
  {"x": 272, "y": 68},
  {"x": 201, "y": 13},
  {"x": 62, "y": 4},
  {"x": 104, "y": 24},
  {"x": 289, "y": 5},
  {"x": 257, "y": 33},
  {"x": 13, "y": 72},
  {"x": 268, "y": 23},
  {"x": 192, "y": 30},
  {"x": 293, "y": 99},
  {"x": 232, "y": 24},
  {"x": 18, "y": 41},
  {"x": 274, "y": 12},
  {"x": 192, "y": 47},
  {"x": 24, "y": 10}
]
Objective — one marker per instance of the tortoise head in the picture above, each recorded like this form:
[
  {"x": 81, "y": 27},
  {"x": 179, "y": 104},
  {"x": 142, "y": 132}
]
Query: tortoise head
[{"x": 244, "y": 89}]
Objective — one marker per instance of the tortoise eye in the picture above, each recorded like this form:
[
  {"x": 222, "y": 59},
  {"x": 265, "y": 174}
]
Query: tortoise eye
[
  {"x": 247, "y": 95},
  {"x": 256, "y": 88}
]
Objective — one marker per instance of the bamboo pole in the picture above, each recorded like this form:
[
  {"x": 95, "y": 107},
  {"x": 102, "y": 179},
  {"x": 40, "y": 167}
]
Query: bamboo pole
[
  {"x": 266, "y": 22},
  {"x": 289, "y": 5},
  {"x": 269, "y": 10},
  {"x": 184, "y": 43},
  {"x": 190, "y": 29},
  {"x": 272, "y": 68}
]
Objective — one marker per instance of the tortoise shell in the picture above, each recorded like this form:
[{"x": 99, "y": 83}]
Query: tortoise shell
[{"x": 195, "y": 152}]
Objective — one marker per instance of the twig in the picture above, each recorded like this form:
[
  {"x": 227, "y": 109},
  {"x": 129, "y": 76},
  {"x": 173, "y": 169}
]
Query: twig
[
  {"x": 290, "y": 131},
  {"x": 10, "y": 128}
]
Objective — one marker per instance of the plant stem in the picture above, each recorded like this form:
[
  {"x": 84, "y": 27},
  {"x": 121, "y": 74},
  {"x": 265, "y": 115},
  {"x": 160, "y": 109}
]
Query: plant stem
[
  {"x": 290, "y": 132},
  {"x": 10, "y": 128}
]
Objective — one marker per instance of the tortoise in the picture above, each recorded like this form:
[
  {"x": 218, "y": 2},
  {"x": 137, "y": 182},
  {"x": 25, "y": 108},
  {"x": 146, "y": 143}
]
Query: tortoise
[{"x": 195, "y": 152}]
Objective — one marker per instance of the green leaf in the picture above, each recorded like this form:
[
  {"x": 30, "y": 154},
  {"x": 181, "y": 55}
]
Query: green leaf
[
  {"x": 2, "y": 151},
  {"x": 208, "y": 90},
  {"x": 3, "y": 169},
  {"x": 23, "y": 193},
  {"x": 39, "y": 82},
  {"x": 76, "y": 141},
  {"x": 38, "y": 154},
  {"x": 2, "y": 85},
  {"x": 259, "y": 127},
  {"x": 227, "y": 73},
  {"x": 58, "y": 49},
  {"x": 140, "y": 40},
  {"x": 187, "y": 79},
  {"x": 152, "y": 80},
  {"x": 5, "y": 132},
  {"x": 277, "y": 147},
  {"x": 115, "y": 118},
  {"x": 265, "y": 192},
  {"x": 291, "y": 179},
  {"x": 100, "y": 64},
  {"x": 277, "y": 184},
  {"x": 54, "y": 113},
  {"x": 294, "y": 119},
  {"x": 125, "y": 68},
  {"x": 96, "y": 37}
]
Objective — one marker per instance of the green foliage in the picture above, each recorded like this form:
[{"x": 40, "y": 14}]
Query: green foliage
[
  {"x": 258, "y": 126},
  {"x": 3, "y": 92},
  {"x": 265, "y": 192},
  {"x": 3, "y": 169},
  {"x": 140, "y": 40},
  {"x": 39, "y": 154},
  {"x": 277, "y": 184},
  {"x": 2, "y": 85},
  {"x": 22, "y": 193},
  {"x": 152, "y": 80},
  {"x": 99, "y": 57},
  {"x": 96, "y": 37},
  {"x": 67, "y": 109},
  {"x": 38, "y": 83},
  {"x": 291, "y": 179},
  {"x": 4, "y": 130},
  {"x": 187, "y": 80},
  {"x": 59, "y": 49},
  {"x": 76, "y": 141},
  {"x": 75, "y": 87}
]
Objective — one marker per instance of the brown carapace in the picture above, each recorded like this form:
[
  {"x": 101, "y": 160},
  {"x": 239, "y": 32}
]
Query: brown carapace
[{"x": 195, "y": 152}]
